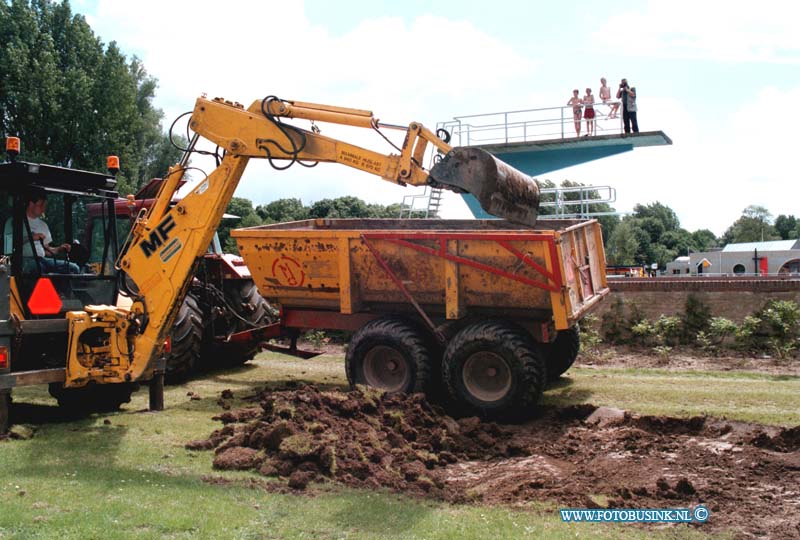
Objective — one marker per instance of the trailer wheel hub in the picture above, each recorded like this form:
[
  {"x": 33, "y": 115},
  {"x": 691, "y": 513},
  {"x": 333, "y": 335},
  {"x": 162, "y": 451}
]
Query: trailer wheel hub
[
  {"x": 386, "y": 368},
  {"x": 487, "y": 376}
]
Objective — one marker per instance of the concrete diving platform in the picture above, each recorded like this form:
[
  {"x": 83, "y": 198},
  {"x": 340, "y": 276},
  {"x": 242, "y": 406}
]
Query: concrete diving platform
[
  {"x": 544, "y": 156},
  {"x": 537, "y": 141}
]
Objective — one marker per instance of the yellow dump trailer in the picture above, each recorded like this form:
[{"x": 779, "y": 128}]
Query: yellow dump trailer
[{"x": 488, "y": 309}]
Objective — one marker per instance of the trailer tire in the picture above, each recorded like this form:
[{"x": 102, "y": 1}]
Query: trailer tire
[
  {"x": 562, "y": 352},
  {"x": 494, "y": 369},
  {"x": 186, "y": 338},
  {"x": 246, "y": 302},
  {"x": 92, "y": 397},
  {"x": 5, "y": 411},
  {"x": 392, "y": 354}
]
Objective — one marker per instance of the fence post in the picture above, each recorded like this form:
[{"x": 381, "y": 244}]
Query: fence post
[{"x": 562, "y": 122}]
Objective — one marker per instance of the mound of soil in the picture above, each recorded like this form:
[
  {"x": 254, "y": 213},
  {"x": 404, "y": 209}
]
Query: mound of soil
[
  {"x": 748, "y": 475},
  {"x": 360, "y": 438}
]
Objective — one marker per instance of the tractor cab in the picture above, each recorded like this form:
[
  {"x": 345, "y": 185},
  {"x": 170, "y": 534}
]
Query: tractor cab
[{"x": 62, "y": 265}]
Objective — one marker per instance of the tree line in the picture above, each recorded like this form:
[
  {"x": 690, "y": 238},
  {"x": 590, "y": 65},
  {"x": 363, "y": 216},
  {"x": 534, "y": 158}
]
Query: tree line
[
  {"x": 74, "y": 100},
  {"x": 652, "y": 234},
  {"x": 283, "y": 210}
]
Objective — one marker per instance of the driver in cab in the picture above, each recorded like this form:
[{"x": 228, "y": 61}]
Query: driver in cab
[{"x": 42, "y": 239}]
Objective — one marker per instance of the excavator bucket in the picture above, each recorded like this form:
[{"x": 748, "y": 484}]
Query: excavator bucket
[{"x": 501, "y": 190}]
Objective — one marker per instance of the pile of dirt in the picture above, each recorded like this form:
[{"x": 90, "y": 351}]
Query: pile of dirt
[
  {"x": 359, "y": 438},
  {"x": 747, "y": 475}
]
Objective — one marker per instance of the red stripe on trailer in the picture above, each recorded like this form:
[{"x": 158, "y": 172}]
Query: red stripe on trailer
[{"x": 554, "y": 278}]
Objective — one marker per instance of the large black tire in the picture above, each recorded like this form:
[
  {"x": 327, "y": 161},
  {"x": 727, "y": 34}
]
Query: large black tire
[
  {"x": 561, "y": 353},
  {"x": 186, "y": 338},
  {"x": 494, "y": 369},
  {"x": 92, "y": 397},
  {"x": 252, "y": 311},
  {"x": 5, "y": 411},
  {"x": 391, "y": 354}
]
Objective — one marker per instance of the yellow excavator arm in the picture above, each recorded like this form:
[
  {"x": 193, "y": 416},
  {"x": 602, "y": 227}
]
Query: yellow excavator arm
[{"x": 110, "y": 345}]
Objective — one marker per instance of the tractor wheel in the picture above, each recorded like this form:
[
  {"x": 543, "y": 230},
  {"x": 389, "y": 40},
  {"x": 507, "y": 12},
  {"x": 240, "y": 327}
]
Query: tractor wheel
[
  {"x": 251, "y": 311},
  {"x": 93, "y": 397},
  {"x": 186, "y": 339},
  {"x": 494, "y": 369},
  {"x": 562, "y": 352},
  {"x": 390, "y": 354},
  {"x": 5, "y": 411}
]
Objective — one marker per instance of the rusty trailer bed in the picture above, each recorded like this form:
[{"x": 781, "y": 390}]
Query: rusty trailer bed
[{"x": 438, "y": 268}]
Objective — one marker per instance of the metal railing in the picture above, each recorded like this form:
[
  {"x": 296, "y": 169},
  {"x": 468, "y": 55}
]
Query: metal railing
[
  {"x": 576, "y": 202},
  {"x": 528, "y": 125},
  {"x": 422, "y": 205}
]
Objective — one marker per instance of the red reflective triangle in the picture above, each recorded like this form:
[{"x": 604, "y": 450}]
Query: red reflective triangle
[{"x": 44, "y": 299}]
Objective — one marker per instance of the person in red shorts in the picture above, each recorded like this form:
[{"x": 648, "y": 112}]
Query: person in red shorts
[{"x": 588, "y": 112}]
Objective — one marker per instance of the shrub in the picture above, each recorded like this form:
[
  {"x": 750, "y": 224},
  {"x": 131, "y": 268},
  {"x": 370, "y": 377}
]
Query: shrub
[
  {"x": 780, "y": 318},
  {"x": 663, "y": 353},
  {"x": 612, "y": 325},
  {"x": 668, "y": 330},
  {"x": 643, "y": 332},
  {"x": 779, "y": 328},
  {"x": 747, "y": 333},
  {"x": 696, "y": 319},
  {"x": 590, "y": 336},
  {"x": 317, "y": 338}
]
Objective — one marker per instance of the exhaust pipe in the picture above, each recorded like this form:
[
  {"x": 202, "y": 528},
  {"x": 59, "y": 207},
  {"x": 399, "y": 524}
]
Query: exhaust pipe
[{"x": 501, "y": 190}]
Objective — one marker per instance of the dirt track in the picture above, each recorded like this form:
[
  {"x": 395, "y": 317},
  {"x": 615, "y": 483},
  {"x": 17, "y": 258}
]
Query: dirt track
[{"x": 747, "y": 475}]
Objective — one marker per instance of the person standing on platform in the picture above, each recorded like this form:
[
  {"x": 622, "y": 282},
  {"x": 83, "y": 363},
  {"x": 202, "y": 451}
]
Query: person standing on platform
[
  {"x": 576, "y": 102},
  {"x": 628, "y": 96},
  {"x": 605, "y": 96},
  {"x": 588, "y": 112}
]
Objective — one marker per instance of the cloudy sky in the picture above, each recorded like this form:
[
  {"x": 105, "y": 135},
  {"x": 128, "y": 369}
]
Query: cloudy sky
[{"x": 722, "y": 79}]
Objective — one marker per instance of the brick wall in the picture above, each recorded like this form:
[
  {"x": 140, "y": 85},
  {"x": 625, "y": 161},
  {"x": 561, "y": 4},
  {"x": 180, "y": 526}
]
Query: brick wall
[{"x": 732, "y": 298}]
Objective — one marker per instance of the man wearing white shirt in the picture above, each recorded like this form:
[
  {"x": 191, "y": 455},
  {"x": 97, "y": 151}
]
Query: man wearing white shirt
[{"x": 40, "y": 232}]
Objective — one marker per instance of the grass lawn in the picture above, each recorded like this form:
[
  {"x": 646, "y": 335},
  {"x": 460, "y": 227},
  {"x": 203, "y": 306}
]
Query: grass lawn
[{"x": 132, "y": 478}]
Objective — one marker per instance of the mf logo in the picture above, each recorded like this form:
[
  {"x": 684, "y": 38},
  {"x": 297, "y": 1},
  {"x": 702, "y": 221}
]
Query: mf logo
[{"x": 158, "y": 237}]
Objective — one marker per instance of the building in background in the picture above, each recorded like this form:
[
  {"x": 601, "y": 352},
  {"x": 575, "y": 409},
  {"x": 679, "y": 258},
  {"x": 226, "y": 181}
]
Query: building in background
[{"x": 748, "y": 259}]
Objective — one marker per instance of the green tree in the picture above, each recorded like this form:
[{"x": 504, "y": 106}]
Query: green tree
[
  {"x": 786, "y": 226},
  {"x": 755, "y": 225},
  {"x": 72, "y": 100},
  {"x": 342, "y": 207},
  {"x": 247, "y": 217},
  {"x": 622, "y": 247},
  {"x": 659, "y": 212},
  {"x": 282, "y": 210},
  {"x": 653, "y": 226},
  {"x": 678, "y": 242},
  {"x": 652, "y": 234},
  {"x": 381, "y": 211},
  {"x": 703, "y": 240}
]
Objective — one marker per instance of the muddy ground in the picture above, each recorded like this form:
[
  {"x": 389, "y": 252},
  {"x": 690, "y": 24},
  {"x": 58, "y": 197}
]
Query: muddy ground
[{"x": 748, "y": 475}]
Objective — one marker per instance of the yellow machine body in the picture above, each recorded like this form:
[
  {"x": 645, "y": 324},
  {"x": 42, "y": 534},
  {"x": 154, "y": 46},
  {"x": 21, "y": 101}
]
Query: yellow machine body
[{"x": 110, "y": 344}]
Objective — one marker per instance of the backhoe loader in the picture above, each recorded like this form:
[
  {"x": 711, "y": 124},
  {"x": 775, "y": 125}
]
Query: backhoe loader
[{"x": 116, "y": 348}]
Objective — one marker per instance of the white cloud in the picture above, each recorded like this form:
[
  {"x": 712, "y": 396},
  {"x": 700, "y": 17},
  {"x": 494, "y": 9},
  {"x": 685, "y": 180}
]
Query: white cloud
[
  {"x": 707, "y": 29},
  {"x": 384, "y": 65}
]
